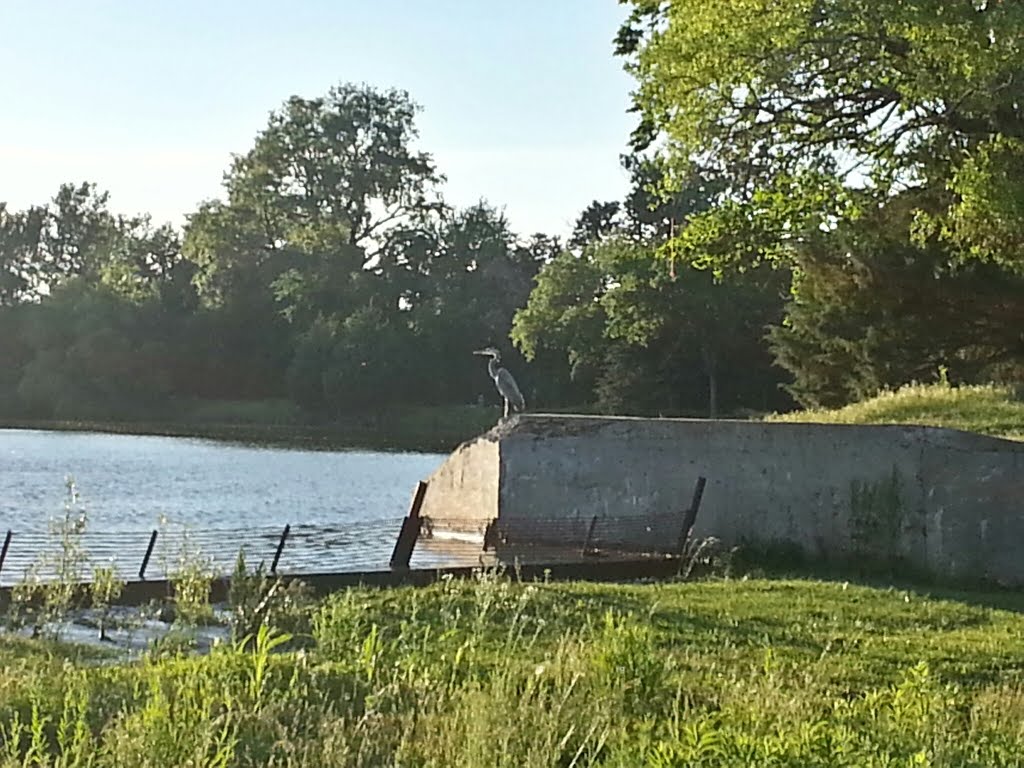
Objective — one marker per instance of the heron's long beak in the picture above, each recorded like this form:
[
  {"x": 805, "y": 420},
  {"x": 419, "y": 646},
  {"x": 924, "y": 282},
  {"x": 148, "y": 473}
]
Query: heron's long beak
[{"x": 481, "y": 352}]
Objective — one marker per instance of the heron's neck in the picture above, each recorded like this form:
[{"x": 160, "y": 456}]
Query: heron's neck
[{"x": 492, "y": 366}]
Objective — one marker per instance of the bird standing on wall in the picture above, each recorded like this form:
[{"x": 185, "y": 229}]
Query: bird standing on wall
[{"x": 503, "y": 380}]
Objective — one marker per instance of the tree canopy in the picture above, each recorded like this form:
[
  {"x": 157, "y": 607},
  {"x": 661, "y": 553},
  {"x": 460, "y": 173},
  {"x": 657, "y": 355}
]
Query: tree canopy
[
  {"x": 794, "y": 102},
  {"x": 647, "y": 335},
  {"x": 826, "y": 199}
]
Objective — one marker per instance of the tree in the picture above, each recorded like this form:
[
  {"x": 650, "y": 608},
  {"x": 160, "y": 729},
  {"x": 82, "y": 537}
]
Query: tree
[
  {"x": 143, "y": 259},
  {"x": 20, "y": 243},
  {"x": 317, "y": 195},
  {"x": 564, "y": 313},
  {"x": 92, "y": 353},
  {"x": 651, "y": 338},
  {"x": 871, "y": 309},
  {"x": 80, "y": 235},
  {"x": 597, "y": 221},
  {"x": 788, "y": 100},
  {"x": 475, "y": 272},
  {"x": 305, "y": 238},
  {"x": 649, "y": 335}
]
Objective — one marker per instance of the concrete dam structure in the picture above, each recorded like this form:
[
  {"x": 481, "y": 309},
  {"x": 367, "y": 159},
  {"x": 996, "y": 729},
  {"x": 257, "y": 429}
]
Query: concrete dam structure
[{"x": 947, "y": 502}]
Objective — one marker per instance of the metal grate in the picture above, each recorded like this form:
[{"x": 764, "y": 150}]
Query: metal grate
[
  {"x": 364, "y": 546},
  {"x": 656, "y": 533}
]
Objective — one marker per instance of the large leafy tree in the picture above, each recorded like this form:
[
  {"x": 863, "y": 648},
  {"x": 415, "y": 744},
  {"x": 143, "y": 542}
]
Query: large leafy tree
[
  {"x": 877, "y": 146},
  {"x": 872, "y": 309},
  {"x": 81, "y": 234},
  {"x": 20, "y": 235},
  {"x": 652, "y": 338},
  {"x": 145, "y": 260},
  {"x": 316, "y": 198},
  {"x": 93, "y": 353},
  {"x": 796, "y": 103},
  {"x": 649, "y": 335},
  {"x": 459, "y": 278},
  {"x": 76, "y": 235},
  {"x": 450, "y": 285},
  {"x": 304, "y": 238},
  {"x": 98, "y": 298}
]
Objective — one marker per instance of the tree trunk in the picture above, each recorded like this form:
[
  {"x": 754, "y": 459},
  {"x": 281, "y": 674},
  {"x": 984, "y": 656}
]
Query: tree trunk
[{"x": 711, "y": 371}]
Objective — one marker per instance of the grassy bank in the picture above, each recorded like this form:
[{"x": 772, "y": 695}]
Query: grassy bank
[
  {"x": 488, "y": 673},
  {"x": 991, "y": 410},
  {"x": 438, "y": 429}
]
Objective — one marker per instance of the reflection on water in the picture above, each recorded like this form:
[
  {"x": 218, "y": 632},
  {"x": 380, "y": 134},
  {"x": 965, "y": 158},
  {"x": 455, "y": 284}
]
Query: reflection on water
[
  {"x": 344, "y": 507},
  {"x": 130, "y": 482}
]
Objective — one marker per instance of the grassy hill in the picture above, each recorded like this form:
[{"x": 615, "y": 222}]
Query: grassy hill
[
  {"x": 487, "y": 672},
  {"x": 991, "y": 410}
]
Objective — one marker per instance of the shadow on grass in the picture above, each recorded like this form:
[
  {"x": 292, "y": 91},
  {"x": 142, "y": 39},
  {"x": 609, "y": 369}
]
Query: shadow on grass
[{"x": 787, "y": 561}]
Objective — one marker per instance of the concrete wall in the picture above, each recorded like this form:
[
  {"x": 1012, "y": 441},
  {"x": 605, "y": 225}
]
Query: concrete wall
[
  {"x": 949, "y": 502},
  {"x": 462, "y": 495}
]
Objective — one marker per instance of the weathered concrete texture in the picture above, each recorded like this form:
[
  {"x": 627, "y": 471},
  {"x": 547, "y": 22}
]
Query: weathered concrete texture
[
  {"x": 463, "y": 492},
  {"x": 946, "y": 501}
]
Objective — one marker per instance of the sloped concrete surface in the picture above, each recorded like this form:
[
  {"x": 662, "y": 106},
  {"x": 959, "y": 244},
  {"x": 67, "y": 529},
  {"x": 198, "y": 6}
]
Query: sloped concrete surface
[{"x": 463, "y": 493}]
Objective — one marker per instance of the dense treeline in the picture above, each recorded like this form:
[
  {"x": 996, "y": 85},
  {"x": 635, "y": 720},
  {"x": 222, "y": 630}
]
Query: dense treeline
[
  {"x": 333, "y": 274},
  {"x": 330, "y": 273},
  {"x": 817, "y": 214},
  {"x": 874, "y": 148}
]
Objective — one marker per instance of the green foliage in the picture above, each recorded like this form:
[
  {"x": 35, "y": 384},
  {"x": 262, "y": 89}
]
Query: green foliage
[
  {"x": 93, "y": 353},
  {"x": 259, "y": 601},
  {"x": 563, "y": 311},
  {"x": 653, "y": 337},
  {"x": 647, "y": 335},
  {"x": 20, "y": 235},
  {"x": 49, "y": 590},
  {"x": 989, "y": 409},
  {"x": 487, "y": 672},
  {"x": 322, "y": 180},
  {"x": 986, "y": 221},
  {"x": 104, "y": 590},
  {"x": 191, "y": 576},
  {"x": 871, "y": 309},
  {"x": 793, "y": 102}
]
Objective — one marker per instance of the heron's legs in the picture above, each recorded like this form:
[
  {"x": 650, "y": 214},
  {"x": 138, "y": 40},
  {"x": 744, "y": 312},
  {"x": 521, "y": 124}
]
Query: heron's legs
[{"x": 506, "y": 407}]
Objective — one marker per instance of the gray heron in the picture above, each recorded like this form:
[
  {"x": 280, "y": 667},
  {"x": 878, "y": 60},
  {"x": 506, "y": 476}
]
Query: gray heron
[{"x": 503, "y": 380}]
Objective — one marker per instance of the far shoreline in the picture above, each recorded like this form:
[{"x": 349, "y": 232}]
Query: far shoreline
[{"x": 301, "y": 437}]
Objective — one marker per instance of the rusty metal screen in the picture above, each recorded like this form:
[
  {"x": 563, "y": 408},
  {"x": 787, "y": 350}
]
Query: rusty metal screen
[{"x": 365, "y": 546}]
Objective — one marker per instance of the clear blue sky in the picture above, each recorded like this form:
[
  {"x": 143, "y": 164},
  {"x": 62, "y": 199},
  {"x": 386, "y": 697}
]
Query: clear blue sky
[{"x": 523, "y": 102}]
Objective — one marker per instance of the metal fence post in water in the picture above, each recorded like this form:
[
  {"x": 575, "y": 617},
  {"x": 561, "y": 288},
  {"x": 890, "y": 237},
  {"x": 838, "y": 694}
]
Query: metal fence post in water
[
  {"x": 402, "y": 553},
  {"x": 7, "y": 545},
  {"x": 280, "y": 547},
  {"x": 145, "y": 559}
]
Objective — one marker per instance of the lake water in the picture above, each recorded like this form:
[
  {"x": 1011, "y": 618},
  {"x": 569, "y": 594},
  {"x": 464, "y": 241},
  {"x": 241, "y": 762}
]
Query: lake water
[{"x": 129, "y": 485}]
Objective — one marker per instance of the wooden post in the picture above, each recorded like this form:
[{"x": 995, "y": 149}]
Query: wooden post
[
  {"x": 410, "y": 532},
  {"x": 690, "y": 515},
  {"x": 7, "y": 545},
  {"x": 280, "y": 547},
  {"x": 145, "y": 559},
  {"x": 590, "y": 535}
]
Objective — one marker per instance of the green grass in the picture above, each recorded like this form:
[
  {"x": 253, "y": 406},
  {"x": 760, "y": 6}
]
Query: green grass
[
  {"x": 988, "y": 409},
  {"x": 491, "y": 673}
]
